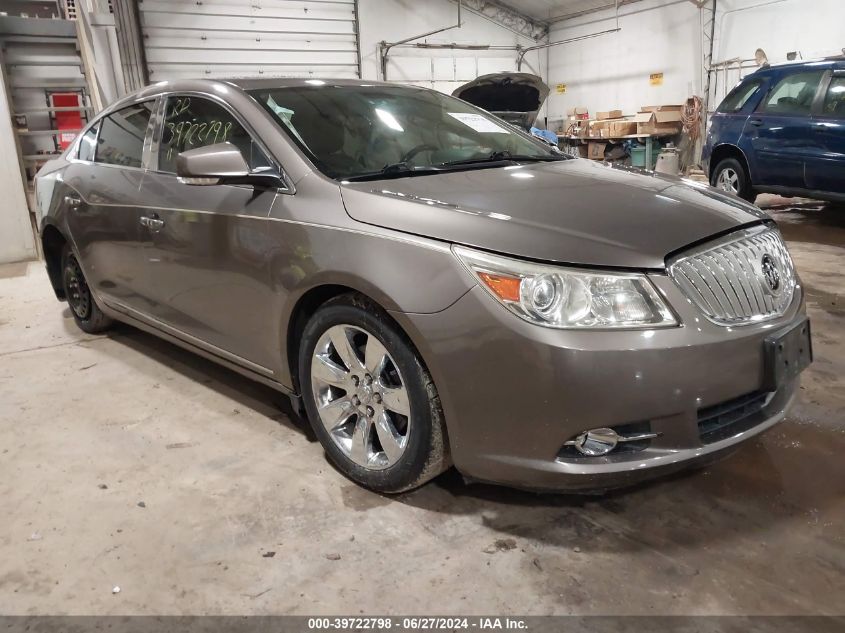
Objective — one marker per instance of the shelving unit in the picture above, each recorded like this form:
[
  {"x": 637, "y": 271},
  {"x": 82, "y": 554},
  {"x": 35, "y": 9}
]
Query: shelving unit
[
  {"x": 40, "y": 58},
  {"x": 649, "y": 141}
]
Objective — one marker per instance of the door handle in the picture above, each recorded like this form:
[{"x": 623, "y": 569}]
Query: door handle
[
  {"x": 154, "y": 224},
  {"x": 72, "y": 201},
  {"x": 756, "y": 122}
]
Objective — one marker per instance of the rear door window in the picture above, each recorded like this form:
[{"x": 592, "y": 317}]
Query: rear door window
[
  {"x": 794, "y": 94},
  {"x": 834, "y": 100},
  {"x": 121, "y": 140},
  {"x": 739, "y": 96},
  {"x": 193, "y": 122}
]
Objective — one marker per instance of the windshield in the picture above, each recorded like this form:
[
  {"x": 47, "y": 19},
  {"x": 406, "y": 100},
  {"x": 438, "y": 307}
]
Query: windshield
[{"x": 356, "y": 131}]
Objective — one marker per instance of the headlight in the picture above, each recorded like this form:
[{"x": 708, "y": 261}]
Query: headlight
[{"x": 568, "y": 297}]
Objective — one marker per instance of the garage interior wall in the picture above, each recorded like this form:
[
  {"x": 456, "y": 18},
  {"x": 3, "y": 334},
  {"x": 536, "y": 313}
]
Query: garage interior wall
[
  {"x": 444, "y": 69},
  {"x": 666, "y": 36}
]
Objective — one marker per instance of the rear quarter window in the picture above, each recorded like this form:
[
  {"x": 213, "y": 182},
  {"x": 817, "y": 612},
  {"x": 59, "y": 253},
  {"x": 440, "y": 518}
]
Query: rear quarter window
[{"x": 88, "y": 143}]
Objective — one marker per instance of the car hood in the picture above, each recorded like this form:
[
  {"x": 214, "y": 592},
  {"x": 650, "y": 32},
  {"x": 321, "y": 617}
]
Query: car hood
[{"x": 571, "y": 211}]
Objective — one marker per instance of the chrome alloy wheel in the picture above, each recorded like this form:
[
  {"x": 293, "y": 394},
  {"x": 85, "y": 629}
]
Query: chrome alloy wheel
[
  {"x": 361, "y": 397},
  {"x": 728, "y": 180}
]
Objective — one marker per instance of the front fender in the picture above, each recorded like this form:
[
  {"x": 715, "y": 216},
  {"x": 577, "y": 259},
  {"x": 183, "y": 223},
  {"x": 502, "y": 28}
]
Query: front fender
[{"x": 401, "y": 273}]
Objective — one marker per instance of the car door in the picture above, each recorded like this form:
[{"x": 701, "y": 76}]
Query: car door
[
  {"x": 779, "y": 131},
  {"x": 101, "y": 200},
  {"x": 208, "y": 243},
  {"x": 826, "y": 165}
]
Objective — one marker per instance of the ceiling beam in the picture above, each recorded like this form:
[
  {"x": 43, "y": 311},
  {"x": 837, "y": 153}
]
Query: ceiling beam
[
  {"x": 577, "y": 14},
  {"x": 508, "y": 17}
]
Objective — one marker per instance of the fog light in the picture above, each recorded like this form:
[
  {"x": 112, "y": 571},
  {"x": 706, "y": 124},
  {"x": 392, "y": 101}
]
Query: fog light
[{"x": 597, "y": 442}]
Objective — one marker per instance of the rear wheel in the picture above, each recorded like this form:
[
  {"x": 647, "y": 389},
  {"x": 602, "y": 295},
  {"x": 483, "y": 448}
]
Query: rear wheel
[
  {"x": 730, "y": 176},
  {"x": 369, "y": 399},
  {"x": 83, "y": 307}
]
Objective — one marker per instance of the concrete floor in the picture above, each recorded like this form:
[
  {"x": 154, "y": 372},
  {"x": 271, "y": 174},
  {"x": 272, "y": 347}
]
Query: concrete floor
[{"x": 242, "y": 514}]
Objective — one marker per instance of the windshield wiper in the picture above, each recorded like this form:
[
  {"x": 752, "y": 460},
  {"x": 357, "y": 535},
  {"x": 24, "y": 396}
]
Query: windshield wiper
[
  {"x": 403, "y": 169},
  {"x": 502, "y": 156},
  {"x": 394, "y": 170}
]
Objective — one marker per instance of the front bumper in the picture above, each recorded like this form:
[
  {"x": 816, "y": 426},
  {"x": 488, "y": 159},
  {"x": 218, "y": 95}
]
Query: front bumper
[{"x": 513, "y": 393}]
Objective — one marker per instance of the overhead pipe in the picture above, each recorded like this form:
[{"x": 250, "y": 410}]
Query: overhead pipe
[
  {"x": 386, "y": 46},
  {"x": 528, "y": 49},
  {"x": 463, "y": 47}
]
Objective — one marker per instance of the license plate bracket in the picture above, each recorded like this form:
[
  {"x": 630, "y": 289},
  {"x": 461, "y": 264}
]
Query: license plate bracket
[{"x": 787, "y": 353}]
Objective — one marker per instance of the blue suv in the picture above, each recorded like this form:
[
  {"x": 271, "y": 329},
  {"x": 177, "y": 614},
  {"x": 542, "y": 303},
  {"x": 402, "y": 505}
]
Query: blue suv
[{"x": 781, "y": 130}]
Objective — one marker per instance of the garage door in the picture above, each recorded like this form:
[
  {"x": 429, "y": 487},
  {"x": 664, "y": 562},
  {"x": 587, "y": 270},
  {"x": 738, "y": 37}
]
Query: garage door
[
  {"x": 231, "y": 38},
  {"x": 444, "y": 73}
]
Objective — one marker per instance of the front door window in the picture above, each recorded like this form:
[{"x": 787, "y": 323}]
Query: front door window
[{"x": 192, "y": 122}]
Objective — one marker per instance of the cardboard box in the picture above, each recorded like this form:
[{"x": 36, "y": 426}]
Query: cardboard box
[
  {"x": 583, "y": 129},
  {"x": 582, "y": 151},
  {"x": 610, "y": 114},
  {"x": 662, "y": 108},
  {"x": 595, "y": 151},
  {"x": 658, "y": 121},
  {"x": 577, "y": 113},
  {"x": 621, "y": 128},
  {"x": 597, "y": 129}
]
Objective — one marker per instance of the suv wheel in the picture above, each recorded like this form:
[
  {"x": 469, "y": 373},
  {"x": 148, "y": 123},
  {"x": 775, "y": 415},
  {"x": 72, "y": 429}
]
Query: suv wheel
[
  {"x": 730, "y": 176},
  {"x": 83, "y": 307},
  {"x": 369, "y": 399}
]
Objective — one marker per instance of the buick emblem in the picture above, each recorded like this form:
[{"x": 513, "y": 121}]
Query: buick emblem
[{"x": 770, "y": 273}]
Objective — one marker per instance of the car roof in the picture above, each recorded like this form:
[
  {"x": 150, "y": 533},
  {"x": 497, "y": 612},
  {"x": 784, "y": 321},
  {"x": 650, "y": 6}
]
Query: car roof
[
  {"x": 780, "y": 67},
  {"x": 220, "y": 86},
  {"x": 252, "y": 83}
]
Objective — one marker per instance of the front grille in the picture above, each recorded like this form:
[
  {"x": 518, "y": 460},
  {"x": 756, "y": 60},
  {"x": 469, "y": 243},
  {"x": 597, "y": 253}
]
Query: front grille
[
  {"x": 729, "y": 418},
  {"x": 744, "y": 277}
]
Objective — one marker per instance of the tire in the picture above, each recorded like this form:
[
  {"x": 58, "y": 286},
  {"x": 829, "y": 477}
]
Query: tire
[
  {"x": 363, "y": 425},
  {"x": 83, "y": 306},
  {"x": 730, "y": 176}
]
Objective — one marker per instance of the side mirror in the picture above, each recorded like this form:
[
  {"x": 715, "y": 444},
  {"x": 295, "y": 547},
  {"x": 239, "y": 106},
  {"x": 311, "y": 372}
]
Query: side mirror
[{"x": 212, "y": 165}]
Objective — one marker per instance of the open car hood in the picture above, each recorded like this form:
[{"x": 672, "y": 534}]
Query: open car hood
[{"x": 514, "y": 97}]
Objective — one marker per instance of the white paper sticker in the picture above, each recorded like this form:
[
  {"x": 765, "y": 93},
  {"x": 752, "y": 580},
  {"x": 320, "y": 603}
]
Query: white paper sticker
[{"x": 478, "y": 122}]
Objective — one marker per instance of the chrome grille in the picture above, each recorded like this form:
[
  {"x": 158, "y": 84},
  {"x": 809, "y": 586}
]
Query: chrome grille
[{"x": 744, "y": 277}]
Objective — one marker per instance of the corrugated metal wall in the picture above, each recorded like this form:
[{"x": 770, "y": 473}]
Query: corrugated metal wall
[{"x": 252, "y": 38}]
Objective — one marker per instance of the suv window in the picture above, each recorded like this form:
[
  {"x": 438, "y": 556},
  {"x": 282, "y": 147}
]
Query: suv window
[
  {"x": 88, "y": 143},
  {"x": 794, "y": 93},
  {"x": 121, "y": 140},
  {"x": 834, "y": 101},
  {"x": 192, "y": 122},
  {"x": 739, "y": 96}
]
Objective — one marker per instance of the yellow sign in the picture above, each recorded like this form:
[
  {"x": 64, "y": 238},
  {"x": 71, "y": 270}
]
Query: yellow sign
[
  {"x": 560, "y": 88},
  {"x": 656, "y": 79}
]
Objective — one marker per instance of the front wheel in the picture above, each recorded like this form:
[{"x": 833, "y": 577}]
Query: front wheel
[
  {"x": 730, "y": 176},
  {"x": 83, "y": 307},
  {"x": 369, "y": 399}
]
